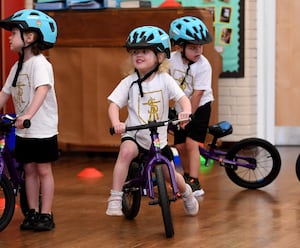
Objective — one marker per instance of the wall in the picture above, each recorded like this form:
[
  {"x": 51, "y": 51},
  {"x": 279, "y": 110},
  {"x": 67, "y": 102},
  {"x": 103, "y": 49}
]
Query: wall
[{"x": 238, "y": 96}]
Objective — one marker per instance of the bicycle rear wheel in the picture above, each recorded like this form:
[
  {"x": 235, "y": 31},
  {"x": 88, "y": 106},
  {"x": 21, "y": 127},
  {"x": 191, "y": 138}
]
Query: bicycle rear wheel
[
  {"x": 255, "y": 151},
  {"x": 132, "y": 194},
  {"x": 164, "y": 201},
  {"x": 7, "y": 202}
]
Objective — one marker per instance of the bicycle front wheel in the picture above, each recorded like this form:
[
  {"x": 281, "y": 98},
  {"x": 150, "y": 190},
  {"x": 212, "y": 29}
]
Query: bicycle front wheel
[
  {"x": 164, "y": 202},
  {"x": 7, "y": 202},
  {"x": 256, "y": 151}
]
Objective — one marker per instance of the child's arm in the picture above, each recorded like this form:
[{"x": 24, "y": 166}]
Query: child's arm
[
  {"x": 114, "y": 116},
  {"x": 186, "y": 110},
  {"x": 195, "y": 99},
  {"x": 38, "y": 99},
  {"x": 3, "y": 99}
]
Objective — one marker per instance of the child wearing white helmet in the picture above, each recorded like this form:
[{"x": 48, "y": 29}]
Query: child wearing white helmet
[
  {"x": 193, "y": 73},
  {"x": 148, "y": 47},
  {"x": 31, "y": 84}
]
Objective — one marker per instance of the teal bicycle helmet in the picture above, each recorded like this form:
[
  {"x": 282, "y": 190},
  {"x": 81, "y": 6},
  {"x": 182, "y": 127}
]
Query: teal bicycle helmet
[
  {"x": 189, "y": 29},
  {"x": 33, "y": 20},
  {"x": 149, "y": 37}
]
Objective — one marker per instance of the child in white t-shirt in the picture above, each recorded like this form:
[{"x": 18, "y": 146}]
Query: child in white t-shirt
[
  {"x": 193, "y": 73},
  {"x": 148, "y": 47},
  {"x": 31, "y": 84}
]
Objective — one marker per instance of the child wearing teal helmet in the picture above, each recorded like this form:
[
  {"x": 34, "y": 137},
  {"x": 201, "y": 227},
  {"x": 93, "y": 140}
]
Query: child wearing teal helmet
[
  {"x": 31, "y": 84},
  {"x": 193, "y": 73},
  {"x": 148, "y": 47}
]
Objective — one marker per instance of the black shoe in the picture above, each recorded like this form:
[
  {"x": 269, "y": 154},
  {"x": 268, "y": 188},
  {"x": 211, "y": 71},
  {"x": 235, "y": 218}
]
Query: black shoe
[
  {"x": 44, "y": 223},
  {"x": 30, "y": 220},
  {"x": 186, "y": 177}
]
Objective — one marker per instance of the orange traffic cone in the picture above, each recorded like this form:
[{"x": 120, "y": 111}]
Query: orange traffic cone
[{"x": 90, "y": 173}]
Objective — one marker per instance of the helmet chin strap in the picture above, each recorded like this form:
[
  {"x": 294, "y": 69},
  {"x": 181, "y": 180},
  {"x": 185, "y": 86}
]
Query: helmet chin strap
[
  {"x": 190, "y": 62},
  {"x": 140, "y": 80}
]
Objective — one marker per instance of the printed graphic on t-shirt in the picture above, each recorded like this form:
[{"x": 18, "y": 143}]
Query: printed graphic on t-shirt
[
  {"x": 151, "y": 106},
  {"x": 21, "y": 98},
  {"x": 181, "y": 78}
]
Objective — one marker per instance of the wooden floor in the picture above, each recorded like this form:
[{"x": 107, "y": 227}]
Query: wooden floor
[{"x": 229, "y": 215}]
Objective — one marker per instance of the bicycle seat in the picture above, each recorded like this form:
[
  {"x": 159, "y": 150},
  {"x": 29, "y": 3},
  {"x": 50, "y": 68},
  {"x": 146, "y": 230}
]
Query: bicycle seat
[{"x": 220, "y": 129}]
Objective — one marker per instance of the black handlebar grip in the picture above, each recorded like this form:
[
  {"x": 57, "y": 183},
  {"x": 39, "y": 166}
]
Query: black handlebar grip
[
  {"x": 111, "y": 131},
  {"x": 26, "y": 123}
]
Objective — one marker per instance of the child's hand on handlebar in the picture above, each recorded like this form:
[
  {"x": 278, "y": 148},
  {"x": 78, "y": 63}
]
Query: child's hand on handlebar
[
  {"x": 119, "y": 127},
  {"x": 20, "y": 121},
  {"x": 184, "y": 116}
]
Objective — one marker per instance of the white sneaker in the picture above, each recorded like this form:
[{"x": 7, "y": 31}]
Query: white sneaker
[
  {"x": 198, "y": 193},
  {"x": 114, "y": 207},
  {"x": 190, "y": 203}
]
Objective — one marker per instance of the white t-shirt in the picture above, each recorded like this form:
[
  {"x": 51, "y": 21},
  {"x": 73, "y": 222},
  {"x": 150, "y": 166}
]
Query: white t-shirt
[
  {"x": 154, "y": 105},
  {"x": 199, "y": 77},
  {"x": 35, "y": 72}
]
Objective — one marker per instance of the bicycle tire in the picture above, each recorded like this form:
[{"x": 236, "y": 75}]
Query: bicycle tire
[
  {"x": 9, "y": 200},
  {"x": 132, "y": 194},
  {"x": 266, "y": 156},
  {"x": 164, "y": 202},
  {"x": 298, "y": 167}
]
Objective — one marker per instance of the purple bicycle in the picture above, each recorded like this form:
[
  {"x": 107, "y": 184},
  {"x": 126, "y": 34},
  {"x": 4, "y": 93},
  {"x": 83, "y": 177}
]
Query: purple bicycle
[
  {"x": 146, "y": 174},
  {"x": 250, "y": 163},
  {"x": 11, "y": 174}
]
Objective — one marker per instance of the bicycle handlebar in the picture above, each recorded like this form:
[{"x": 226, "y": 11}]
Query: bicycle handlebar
[
  {"x": 151, "y": 124},
  {"x": 12, "y": 120}
]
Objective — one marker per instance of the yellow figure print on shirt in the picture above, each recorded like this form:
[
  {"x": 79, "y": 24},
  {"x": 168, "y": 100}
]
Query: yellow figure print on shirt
[
  {"x": 21, "y": 96},
  {"x": 151, "y": 106},
  {"x": 182, "y": 79}
]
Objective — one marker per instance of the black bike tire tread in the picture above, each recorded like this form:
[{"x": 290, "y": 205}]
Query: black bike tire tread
[
  {"x": 131, "y": 210},
  {"x": 259, "y": 143},
  {"x": 10, "y": 201},
  {"x": 164, "y": 201}
]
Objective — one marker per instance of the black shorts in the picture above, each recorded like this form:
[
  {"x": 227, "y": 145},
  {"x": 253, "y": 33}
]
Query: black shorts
[
  {"x": 30, "y": 150},
  {"x": 166, "y": 151},
  {"x": 197, "y": 128}
]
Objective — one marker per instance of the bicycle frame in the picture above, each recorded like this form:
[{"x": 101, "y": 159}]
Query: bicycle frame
[
  {"x": 154, "y": 157},
  {"x": 16, "y": 176},
  {"x": 219, "y": 156}
]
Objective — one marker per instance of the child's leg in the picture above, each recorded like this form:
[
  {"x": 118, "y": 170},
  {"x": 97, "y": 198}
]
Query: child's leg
[
  {"x": 128, "y": 151},
  {"x": 45, "y": 221},
  {"x": 46, "y": 186},
  {"x": 32, "y": 194},
  {"x": 191, "y": 205},
  {"x": 32, "y": 185},
  {"x": 184, "y": 159}
]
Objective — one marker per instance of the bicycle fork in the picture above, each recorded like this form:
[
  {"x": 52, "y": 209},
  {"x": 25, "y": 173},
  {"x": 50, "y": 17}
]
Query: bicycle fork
[{"x": 161, "y": 160}]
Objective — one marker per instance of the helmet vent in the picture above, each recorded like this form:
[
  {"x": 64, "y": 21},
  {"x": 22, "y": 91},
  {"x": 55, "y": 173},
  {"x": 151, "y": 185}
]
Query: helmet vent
[
  {"x": 151, "y": 37},
  {"x": 52, "y": 26}
]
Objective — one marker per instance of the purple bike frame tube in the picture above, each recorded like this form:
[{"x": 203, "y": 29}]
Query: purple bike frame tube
[{"x": 160, "y": 159}]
